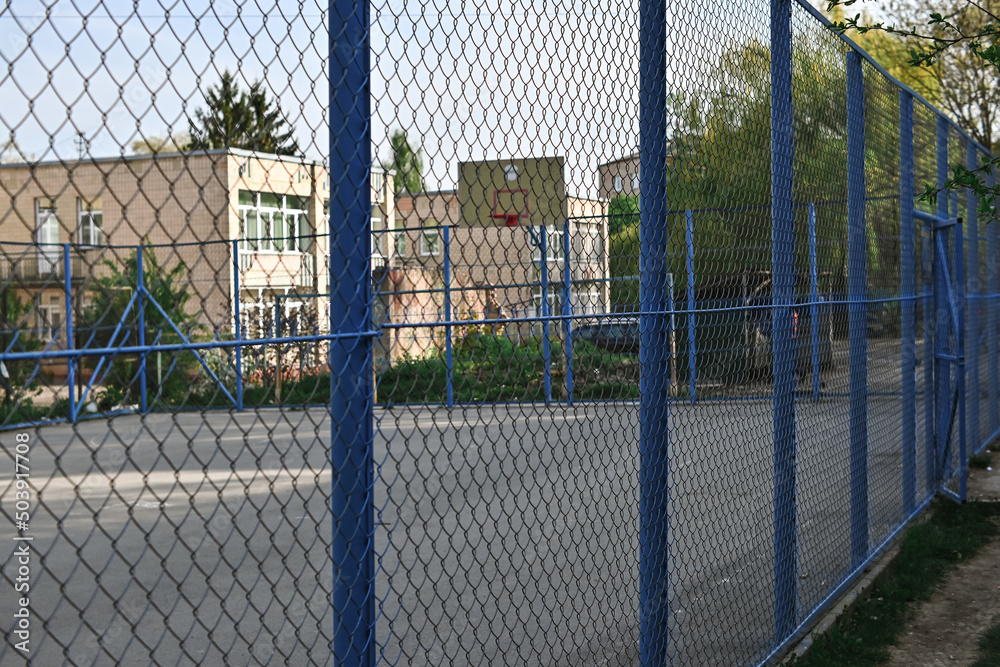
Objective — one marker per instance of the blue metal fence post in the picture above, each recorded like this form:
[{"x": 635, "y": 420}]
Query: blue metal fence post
[
  {"x": 959, "y": 294},
  {"x": 448, "y": 361},
  {"x": 71, "y": 362},
  {"x": 857, "y": 278},
  {"x": 654, "y": 434},
  {"x": 567, "y": 312},
  {"x": 814, "y": 302},
  {"x": 784, "y": 353},
  {"x": 993, "y": 319},
  {"x": 278, "y": 349},
  {"x": 543, "y": 264},
  {"x": 942, "y": 371},
  {"x": 927, "y": 266},
  {"x": 351, "y": 390},
  {"x": 140, "y": 305},
  {"x": 238, "y": 330},
  {"x": 974, "y": 293},
  {"x": 692, "y": 351},
  {"x": 908, "y": 343}
]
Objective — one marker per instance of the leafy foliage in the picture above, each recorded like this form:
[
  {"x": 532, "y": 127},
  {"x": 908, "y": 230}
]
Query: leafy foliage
[
  {"x": 165, "y": 144},
  {"x": 236, "y": 118},
  {"x": 408, "y": 163},
  {"x": 167, "y": 375},
  {"x": 623, "y": 212},
  {"x": 14, "y": 334},
  {"x": 488, "y": 367},
  {"x": 961, "y": 44},
  {"x": 719, "y": 168}
]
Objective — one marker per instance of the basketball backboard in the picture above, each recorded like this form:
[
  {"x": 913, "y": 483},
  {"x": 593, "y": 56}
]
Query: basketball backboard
[{"x": 525, "y": 191}]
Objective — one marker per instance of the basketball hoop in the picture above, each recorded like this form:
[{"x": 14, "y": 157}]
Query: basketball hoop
[{"x": 510, "y": 219}]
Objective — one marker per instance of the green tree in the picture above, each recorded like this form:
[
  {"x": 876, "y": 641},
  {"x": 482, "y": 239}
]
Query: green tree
[
  {"x": 168, "y": 376},
  {"x": 720, "y": 169},
  {"x": 408, "y": 163},
  {"x": 892, "y": 53},
  {"x": 14, "y": 324},
  {"x": 623, "y": 212},
  {"x": 237, "y": 118},
  {"x": 959, "y": 47}
]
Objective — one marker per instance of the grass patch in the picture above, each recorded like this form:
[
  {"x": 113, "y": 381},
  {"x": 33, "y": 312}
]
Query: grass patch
[
  {"x": 488, "y": 368},
  {"x": 989, "y": 648},
  {"x": 929, "y": 552}
]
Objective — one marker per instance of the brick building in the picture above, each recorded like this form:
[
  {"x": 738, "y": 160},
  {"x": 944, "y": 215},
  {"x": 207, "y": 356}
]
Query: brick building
[
  {"x": 188, "y": 208},
  {"x": 495, "y": 270}
]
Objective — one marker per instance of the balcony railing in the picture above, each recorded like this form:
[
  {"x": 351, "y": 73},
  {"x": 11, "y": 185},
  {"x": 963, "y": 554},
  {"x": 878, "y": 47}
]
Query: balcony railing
[
  {"x": 37, "y": 266},
  {"x": 271, "y": 269}
]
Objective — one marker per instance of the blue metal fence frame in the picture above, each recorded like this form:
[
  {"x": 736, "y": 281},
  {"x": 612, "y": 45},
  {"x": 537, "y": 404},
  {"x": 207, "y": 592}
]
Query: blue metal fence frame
[
  {"x": 782, "y": 339},
  {"x": 351, "y": 391},
  {"x": 351, "y": 335},
  {"x": 654, "y": 390}
]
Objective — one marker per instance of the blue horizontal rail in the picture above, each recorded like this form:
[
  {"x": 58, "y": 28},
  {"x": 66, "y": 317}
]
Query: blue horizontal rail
[{"x": 180, "y": 347}]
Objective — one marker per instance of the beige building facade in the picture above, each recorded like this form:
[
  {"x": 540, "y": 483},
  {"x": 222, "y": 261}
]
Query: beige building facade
[
  {"x": 257, "y": 225},
  {"x": 495, "y": 270},
  {"x": 619, "y": 177},
  {"x": 185, "y": 208}
]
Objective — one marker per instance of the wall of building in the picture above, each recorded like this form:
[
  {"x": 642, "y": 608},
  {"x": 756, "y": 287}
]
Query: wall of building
[
  {"x": 495, "y": 269},
  {"x": 619, "y": 177}
]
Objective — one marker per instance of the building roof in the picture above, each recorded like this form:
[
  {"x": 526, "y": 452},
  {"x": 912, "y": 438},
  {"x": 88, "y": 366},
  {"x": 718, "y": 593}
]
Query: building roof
[{"x": 294, "y": 159}]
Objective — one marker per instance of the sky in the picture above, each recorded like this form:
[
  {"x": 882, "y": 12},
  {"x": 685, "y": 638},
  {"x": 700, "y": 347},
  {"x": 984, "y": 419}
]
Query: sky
[{"x": 466, "y": 79}]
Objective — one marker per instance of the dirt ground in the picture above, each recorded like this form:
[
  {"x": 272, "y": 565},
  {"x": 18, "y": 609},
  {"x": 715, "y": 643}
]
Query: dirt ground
[{"x": 944, "y": 630}]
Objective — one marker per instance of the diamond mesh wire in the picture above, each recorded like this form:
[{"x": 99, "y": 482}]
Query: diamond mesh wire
[{"x": 323, "y": 336}]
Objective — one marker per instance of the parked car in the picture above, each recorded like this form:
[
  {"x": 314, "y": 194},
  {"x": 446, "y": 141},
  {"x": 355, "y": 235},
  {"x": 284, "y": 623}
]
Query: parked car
[
  {"x": 615, "y": 334},
  {"x": 760, "y": 338}
]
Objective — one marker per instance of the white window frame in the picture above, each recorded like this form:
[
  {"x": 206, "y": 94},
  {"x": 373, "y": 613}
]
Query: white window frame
[
  {"x": 636, "y": 177},
  {"x": 553, "y": 245},
  {"x": 266, "y": 233},
  {"x": 378, "y": 233},
  {"x": 555, "y": 298},
  {"x": 426, "y": 249},
  {"x": 617, "y": 183},
  {"x": 89, "y": 232},
  {"x": 46, "y": 234},
  {"x": 49, "y": 318}
]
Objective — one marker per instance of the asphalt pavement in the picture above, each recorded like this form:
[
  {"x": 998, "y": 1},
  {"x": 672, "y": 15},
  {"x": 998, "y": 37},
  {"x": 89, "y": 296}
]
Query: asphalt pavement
[{"x": 505, "y": 534}]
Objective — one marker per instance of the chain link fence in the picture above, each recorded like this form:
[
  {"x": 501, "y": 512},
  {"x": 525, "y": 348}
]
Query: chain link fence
[{"x": 491, "y": 333}]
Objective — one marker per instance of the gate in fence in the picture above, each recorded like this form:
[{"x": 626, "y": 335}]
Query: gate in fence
[{"x": 606, "y": 338}]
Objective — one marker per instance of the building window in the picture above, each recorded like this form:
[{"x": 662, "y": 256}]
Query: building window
[
  {"x": 430, "y": 240},
  {"x": 553, "y": 245},
  {"x": 618, "y": 183},
  {"x": 49, "y": 317},
  {"x": 90, "y": 221},
  {"x": 377, "y": 233},
  {"x": 272, "y": 223},
  {"x": 636, "y": 179},
  {"x": 47, "y": 235},
  {"x": 400, "y": 240},
  {"x": 378, "y": 187},
  {"x": 555, "y": 300},
  {"x": 245, "y": 171}
]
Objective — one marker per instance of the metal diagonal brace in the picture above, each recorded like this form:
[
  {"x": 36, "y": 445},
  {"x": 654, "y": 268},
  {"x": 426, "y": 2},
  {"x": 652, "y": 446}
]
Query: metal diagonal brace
[
  {"x": 947, "y": 282},
  {"x": 187, "y": 341},
  {"x": 111, "y": 343}
]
